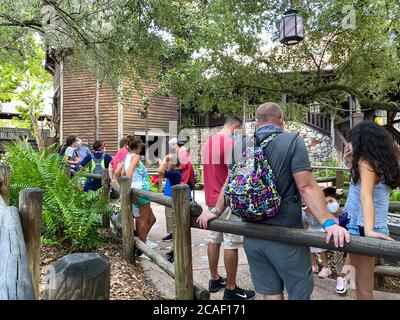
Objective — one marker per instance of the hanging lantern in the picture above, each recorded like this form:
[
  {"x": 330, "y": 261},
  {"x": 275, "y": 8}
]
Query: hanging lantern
[
  {"x": 315, "y": 107},
  {"x": 291, "y": 29}
]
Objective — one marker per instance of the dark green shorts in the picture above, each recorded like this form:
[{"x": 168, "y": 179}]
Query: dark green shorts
[
  {"x": 276, "y": 265},
  {"x": 141, "y": 201}
]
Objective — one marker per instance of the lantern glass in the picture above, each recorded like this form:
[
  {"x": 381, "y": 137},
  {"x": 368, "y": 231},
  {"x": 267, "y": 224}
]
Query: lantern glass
[
  {"x": 291, "y": 29},
  {"x": 315, "y": 107}
]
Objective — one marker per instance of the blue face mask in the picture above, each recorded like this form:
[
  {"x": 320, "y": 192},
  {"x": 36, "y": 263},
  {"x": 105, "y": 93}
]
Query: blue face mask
[{"x": 235, "y": 137}]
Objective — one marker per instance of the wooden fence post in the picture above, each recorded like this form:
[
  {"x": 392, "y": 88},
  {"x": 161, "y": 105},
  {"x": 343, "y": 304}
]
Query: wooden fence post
[
  {"x": 15, "y": 277},
  {"x": 182, "y": 243},
  {"x": 5, "y": 183},
  {"x": 105, "y": 184},
  {"x": 30, "y": 212},
  {"x": 127, "y": 220},
  {"x": 78, "y": 276},
  {"x": 339, "y": 179}
]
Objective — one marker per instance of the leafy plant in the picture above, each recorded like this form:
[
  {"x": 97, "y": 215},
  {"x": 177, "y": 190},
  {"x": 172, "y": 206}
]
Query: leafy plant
[
  {"x": 198, "y": 172},
  {"x": 323, "y": 173},
  {"x": 70, "y": 216},
  {"x": 395, "y": 195}
]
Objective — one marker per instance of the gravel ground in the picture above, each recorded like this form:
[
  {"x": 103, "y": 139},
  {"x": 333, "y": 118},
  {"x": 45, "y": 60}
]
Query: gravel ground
[{"x": 127, "y": 281}]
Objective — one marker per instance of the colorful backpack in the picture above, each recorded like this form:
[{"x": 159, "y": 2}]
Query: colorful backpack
[{"x": 251, "y": 189}]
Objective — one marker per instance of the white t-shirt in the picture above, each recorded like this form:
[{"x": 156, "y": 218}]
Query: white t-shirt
[
  {"x": 312, "y": 222},
  {"x": 70, "y": 152}
]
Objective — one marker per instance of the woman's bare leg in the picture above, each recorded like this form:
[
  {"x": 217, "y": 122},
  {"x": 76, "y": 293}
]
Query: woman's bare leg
[
  {"x": 147, "y": 220},
  {"x": 364, "y": 267}
]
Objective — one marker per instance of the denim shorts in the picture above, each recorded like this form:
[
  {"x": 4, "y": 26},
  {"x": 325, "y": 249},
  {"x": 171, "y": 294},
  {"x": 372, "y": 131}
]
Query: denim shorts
[{"x": 356, "y": 230}]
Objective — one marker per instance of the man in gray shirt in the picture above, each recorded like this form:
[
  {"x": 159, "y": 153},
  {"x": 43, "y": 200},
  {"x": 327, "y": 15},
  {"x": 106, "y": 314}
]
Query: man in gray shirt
[{"x": 276, "y": 265}]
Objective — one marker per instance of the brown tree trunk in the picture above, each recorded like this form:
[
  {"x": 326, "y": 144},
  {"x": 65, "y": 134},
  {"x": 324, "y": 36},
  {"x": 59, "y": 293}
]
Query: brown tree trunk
[{"x": 37, "y": 131}]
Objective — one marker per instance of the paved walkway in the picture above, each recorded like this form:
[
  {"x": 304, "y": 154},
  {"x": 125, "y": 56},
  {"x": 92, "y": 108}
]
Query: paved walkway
[{"x": 323, "y": 289}]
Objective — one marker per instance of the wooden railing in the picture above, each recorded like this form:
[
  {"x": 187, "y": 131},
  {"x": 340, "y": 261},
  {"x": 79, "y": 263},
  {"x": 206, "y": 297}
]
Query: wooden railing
[
  {"x": 185, "y": 217},
  {"x": 319, "y": 122},
  {"x": 17, "y": 242},
  {"x": 207, "y": 120},
  {"x": 197, "y": 120},
  {"x": 14, "y": 133}
]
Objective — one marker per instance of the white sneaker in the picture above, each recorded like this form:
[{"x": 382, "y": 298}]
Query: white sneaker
[
  {"x": 341, "y": 286},
  {"x": 151, "y": 244}
]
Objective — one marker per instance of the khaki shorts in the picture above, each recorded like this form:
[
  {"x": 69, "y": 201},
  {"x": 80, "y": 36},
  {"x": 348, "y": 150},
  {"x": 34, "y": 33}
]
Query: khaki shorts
[{"x": 231, "y": 241}]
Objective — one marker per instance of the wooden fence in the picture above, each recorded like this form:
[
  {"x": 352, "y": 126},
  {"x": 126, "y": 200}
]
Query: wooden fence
[
  {"x": 20, "y": 238},
  {"x": 186, "y": 215}
]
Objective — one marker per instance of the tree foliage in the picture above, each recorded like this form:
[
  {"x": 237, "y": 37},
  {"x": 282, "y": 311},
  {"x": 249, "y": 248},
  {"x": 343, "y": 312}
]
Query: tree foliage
[
  {"x": 24, "y": 79},
  {"x": 216, "y": 53}
]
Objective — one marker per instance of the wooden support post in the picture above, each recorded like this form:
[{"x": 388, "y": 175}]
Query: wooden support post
[
  {"x": 127, "y": 220},
  {"x": 15, "y": 277},
  {"x": 79, "y": 276},
  {"x": 105, "y": 184},
  {"x": 30, "y": 212},
  {"x": 182, "y": 243},
  {"x": 5, "y": 183},
  {"x": 339, "y": 179}
]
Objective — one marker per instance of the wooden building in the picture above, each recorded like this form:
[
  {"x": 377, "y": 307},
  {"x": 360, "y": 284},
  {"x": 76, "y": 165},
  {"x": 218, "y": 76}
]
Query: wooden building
[{"x": 84, "y": 107}]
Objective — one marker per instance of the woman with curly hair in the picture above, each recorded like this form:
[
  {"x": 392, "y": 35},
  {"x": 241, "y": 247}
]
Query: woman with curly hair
[{"x": 374, "y": 168}]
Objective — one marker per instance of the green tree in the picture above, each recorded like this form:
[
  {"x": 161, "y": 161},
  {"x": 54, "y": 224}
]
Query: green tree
[
  {"x": 220, "y": 52},
  {"x": 25, "y": 80}
]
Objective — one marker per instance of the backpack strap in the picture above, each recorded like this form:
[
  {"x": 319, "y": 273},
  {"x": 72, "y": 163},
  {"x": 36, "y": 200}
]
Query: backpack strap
[
  {"x": 285, "y": 193},
  {"x": 287, "y": 151}
]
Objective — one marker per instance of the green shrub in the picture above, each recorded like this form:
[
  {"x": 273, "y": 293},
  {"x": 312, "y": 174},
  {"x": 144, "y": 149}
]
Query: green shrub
[
  {"x": 70, "y": 216},
  {"x": 395, "y": 195},
  {"x": 322, "y": 173}
]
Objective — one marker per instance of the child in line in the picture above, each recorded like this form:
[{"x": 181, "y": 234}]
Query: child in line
[
  {"x": 309, "y": 222},
  {"x": 69, "y": 153},
  {"x": 339, "y": 258},
  {"x": 169, "y": 168}
]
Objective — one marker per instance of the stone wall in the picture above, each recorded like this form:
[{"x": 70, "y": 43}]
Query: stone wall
[{"x": 320, "y": 146}]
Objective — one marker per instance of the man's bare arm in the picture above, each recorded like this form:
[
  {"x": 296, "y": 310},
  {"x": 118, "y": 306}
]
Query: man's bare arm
[{"x": 312, "y": 195}]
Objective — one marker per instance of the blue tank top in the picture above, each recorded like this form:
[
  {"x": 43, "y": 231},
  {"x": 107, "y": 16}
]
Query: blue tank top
[{"x": 381, "y": 204}]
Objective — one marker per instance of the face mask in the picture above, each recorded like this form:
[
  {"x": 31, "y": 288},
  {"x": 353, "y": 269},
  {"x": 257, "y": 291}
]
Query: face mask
[
  {"x": 235, "y": 137},
  {"x": 333, "y": 207},
  {"x": 78, "y": 142}
]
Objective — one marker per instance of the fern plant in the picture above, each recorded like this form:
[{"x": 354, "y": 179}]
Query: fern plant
[{"x": 70, "y": 216}]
